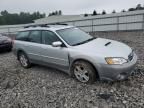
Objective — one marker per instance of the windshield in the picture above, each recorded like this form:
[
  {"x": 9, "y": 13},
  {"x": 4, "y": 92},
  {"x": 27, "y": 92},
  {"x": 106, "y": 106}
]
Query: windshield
[{"x": 74, "y": 36}]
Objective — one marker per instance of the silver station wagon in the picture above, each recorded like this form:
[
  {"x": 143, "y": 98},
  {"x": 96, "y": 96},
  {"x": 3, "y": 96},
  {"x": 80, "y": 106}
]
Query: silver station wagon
[{"x": 75, "y": 52}]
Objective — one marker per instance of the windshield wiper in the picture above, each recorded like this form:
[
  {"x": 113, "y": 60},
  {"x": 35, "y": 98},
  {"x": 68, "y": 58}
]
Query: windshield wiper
[{"x": 84, "y": 41}]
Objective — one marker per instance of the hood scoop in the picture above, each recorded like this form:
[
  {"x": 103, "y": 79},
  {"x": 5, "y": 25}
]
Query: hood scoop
[{"x": 107, "y": 43}]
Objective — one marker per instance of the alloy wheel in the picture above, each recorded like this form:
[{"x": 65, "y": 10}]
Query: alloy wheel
[{"x": 81, "y": 73}]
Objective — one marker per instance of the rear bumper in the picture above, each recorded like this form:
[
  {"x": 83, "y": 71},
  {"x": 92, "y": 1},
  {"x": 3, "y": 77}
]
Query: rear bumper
[{"x": 117, "y": 72}]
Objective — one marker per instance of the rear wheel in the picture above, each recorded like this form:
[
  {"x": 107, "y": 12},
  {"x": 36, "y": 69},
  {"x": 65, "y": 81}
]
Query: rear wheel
[
  {"x": 84, "y": 72},
  {"x": 23, "y": 59}
]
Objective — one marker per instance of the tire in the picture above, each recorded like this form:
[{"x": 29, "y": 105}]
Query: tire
[
  {"x": 84, "y": 72},
  {"x": 9, "y": 50},
  {"x": 24, "y": 61}
]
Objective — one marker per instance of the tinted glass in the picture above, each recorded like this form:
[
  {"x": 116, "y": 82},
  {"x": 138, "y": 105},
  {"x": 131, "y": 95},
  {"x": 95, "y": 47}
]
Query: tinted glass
[
  {"x": 74, "y": 36},
  {"x": 35, "y": 36},
  {"x": 22, "y": 36},
  {"x": 49, "y": 37}
]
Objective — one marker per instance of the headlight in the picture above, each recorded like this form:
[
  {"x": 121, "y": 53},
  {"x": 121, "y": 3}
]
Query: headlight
[{"x": 115, "y": 60}]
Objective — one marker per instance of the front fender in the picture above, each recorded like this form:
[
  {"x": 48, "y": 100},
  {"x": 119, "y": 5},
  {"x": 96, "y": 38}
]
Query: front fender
[{"x": 91, "y": 60}]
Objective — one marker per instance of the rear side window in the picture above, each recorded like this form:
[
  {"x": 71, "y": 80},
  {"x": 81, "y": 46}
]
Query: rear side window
[
  {"x": 35, "y": 36},
  {"x": 49, "y": 37},
  {"x": 23, "y": 36}
]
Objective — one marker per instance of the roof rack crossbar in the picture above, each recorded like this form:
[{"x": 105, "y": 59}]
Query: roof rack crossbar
[{"x": 58, "y": 24}]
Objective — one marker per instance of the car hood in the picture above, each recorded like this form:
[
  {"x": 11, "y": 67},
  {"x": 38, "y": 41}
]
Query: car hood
[
  {"x": 105, "y": 48},
  {"x": 3, "y": 38}
]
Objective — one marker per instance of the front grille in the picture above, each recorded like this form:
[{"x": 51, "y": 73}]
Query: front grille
[{"x": 130, "y": 56}]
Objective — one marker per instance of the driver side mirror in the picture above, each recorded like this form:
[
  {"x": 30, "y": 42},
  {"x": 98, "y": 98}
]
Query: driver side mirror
[{"x": 57, "y": 44}]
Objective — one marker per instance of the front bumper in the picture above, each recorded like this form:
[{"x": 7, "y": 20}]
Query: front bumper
[
  {"x": 5, "y": 46},
  {"x": 117, "y": 72}
]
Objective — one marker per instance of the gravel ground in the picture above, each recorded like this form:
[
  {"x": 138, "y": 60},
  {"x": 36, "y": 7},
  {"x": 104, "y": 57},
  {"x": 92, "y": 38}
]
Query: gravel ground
[{"x": 42, "y": 87}]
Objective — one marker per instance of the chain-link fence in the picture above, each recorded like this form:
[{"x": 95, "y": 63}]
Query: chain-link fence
[{"x": 127, "y": 21}]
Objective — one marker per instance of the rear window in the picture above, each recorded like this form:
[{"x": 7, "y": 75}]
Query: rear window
[
  {"x": 35, "y": 36},
  {"x": 23, "y": 36}
]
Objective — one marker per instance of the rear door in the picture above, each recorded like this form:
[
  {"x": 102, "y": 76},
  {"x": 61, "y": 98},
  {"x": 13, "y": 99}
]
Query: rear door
[
  {"x": 53, "y": 55},
  {"x": 33, "y": 46}
]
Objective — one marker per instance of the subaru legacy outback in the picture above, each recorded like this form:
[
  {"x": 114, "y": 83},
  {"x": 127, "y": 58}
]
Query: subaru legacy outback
[{"x": 75, "y": 52}]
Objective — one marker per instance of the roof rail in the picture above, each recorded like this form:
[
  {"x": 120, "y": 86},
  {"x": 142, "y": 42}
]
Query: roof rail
[
  {"x": 38, "y": 25},
  {"x": 44, "y": 25}
]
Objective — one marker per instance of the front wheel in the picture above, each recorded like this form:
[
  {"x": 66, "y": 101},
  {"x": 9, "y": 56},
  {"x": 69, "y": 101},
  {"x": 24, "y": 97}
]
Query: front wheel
[
  {"x": 9, "y": 50},
  {"x": 24, "y": 61},
  {"x": 84, "y": 72}
]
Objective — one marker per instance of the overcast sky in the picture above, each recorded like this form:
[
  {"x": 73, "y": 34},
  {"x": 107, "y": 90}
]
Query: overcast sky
[{"x": 67, "y": 6}]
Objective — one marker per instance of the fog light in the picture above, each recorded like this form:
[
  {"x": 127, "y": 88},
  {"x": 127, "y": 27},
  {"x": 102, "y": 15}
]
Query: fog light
[{"x": 122, "y": 76}]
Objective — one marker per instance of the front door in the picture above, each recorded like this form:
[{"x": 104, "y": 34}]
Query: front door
[{"x": 53, "y": 55}]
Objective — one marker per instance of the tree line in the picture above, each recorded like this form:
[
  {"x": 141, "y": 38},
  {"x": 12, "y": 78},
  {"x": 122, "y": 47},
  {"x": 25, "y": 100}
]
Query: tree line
[
  {"x": 7, "y": 18},
  {"x": 138, "y": 7},
  {"x": 55, "y": 13}
]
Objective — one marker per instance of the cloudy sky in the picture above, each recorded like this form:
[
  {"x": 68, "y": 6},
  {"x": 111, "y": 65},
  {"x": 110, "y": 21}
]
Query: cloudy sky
[{"x": 67, "y": 6}]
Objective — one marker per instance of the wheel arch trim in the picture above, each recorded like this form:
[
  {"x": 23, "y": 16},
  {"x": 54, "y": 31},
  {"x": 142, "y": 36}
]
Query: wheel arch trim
[
  {"x": 72, "y": 61},
  {"x": 20, "y": 50}
]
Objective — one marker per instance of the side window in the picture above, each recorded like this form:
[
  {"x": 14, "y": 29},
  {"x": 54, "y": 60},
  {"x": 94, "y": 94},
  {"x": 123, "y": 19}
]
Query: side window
[
  {"x": 23, "y": 36},
  {"x": 49, "y": 37},
  {"x": 35, "y": 36}
]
